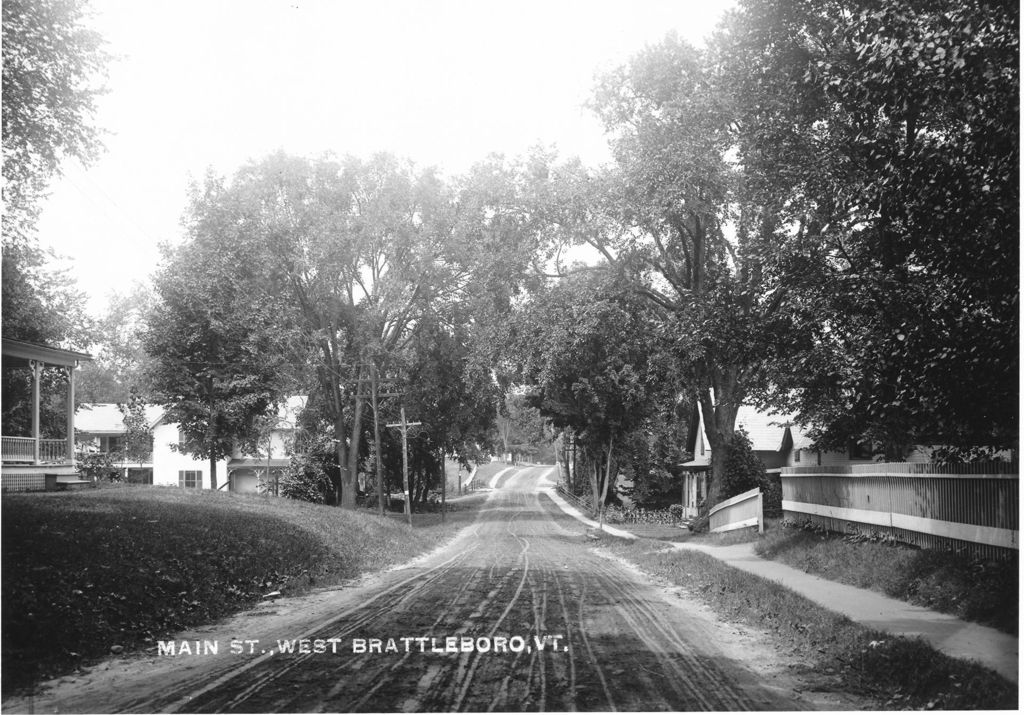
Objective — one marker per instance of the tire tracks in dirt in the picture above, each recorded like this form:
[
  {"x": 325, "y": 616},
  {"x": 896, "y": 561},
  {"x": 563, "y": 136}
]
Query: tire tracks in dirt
[{"x": 596, "y": 635}]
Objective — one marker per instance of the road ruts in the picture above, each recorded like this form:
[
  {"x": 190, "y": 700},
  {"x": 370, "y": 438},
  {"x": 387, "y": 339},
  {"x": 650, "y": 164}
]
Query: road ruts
[{"x": 517, "y": 572}]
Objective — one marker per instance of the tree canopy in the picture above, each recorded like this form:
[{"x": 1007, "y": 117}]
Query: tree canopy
[
  {"x": 817, "y": 212},
  {"x": 890, "y": 135},
  {"x": 51, "y": 61}
]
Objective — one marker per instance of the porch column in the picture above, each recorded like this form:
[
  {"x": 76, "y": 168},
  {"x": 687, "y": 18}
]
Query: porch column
[
  {"x": 70, "y": 370},
  {"x": 37, "y": 369}
]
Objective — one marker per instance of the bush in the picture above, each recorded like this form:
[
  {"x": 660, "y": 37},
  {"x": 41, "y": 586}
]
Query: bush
[
  {"x": 743, "y": 469},
  {"x": 676, "y": 510},
  {"x": 771, "y": 489},
  {"x": 306, "y": 480},
  {"x": 99, "y": 467}
]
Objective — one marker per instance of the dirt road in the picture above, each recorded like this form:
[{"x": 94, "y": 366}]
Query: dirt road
[{"x": 518, "y": 613}]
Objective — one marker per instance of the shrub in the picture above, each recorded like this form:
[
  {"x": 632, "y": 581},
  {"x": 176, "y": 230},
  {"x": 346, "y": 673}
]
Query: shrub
[
  {"x": 614, "y": 514},
  {"x": 306, "y": 480},
  {"x": 99, "y": 467},
  {"x": 743, "y": 469},
  {"x": 771, "y": 489}
]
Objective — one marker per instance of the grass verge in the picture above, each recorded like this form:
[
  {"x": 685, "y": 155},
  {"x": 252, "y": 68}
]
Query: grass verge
[
  {"x": 897, "y": 672},
  {"x": 985, "y": 592},
  {"x": 94, "y": 572}
]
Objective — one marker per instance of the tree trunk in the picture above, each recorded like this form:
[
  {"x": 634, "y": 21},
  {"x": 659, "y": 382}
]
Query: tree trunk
[
  {"x": 595, "y": 487},
  {"x": 351, "y": 474},
  {"x": 211, "y": 442},
  {"x": 376, "y": 442},
  {"x": 342, "y": 451},
  {"x": 719, "y": 423},
  {"x": 607, "y": 480}
]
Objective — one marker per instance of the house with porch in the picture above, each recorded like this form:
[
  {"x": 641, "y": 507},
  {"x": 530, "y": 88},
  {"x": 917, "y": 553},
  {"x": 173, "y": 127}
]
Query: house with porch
[
  {"x": 102, "y": 430},
  {"x": 31, "y": 461}
]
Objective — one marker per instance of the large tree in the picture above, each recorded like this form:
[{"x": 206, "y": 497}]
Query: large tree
[
  {"x": 889, "y": 132},
  {"x": 217, "y": 347},
  {"x": 354, "y": 253},
  {"x": 675, "y": 215},
  {"x": 51, "y": 60}
]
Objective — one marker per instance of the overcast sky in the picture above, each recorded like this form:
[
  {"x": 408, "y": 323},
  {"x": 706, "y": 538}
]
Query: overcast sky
[{"x": 198, "y": 84}]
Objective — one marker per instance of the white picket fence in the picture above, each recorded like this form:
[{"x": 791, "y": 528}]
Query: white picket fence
[
  {"x": 746, "y": 509},
  {"x": 970, "y": 506}
]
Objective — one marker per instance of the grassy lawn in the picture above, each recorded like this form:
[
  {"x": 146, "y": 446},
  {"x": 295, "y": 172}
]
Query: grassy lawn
[
  {"x": 985, "y": 592},
  {"x": 898, "y": 672},
  {"x": 91, "y": 571}
]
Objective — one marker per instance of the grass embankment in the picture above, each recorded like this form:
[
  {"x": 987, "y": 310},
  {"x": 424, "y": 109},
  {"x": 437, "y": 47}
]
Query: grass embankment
[
  {"x": 898, "y": 672},
  {"x": 985, "y": 592},
  {"x": 111, "y": 570}
]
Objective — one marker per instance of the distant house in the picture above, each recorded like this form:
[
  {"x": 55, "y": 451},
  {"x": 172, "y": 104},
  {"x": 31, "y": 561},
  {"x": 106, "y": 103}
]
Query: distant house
[
  {"x": 30, "y": 460},
  {"x": 101, "y": 429}
]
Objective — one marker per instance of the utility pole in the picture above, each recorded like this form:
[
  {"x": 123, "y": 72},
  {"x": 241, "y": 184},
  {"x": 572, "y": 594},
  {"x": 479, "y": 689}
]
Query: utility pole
[
  {"x": 444, "y": 485},
  {"x": 404, "y": 426}
]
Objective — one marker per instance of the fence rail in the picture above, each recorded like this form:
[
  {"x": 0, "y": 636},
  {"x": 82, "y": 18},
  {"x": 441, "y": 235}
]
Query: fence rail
[
  {"x": 581, "y": 503},
  {"x": 22, "y": 449},
  {"x": 972, "y": 506},
  {"x": 746, "y": 509}
]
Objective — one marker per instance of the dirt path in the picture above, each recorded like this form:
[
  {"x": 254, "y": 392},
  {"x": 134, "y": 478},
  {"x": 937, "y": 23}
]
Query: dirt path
[{"x": 515, "y": 614}]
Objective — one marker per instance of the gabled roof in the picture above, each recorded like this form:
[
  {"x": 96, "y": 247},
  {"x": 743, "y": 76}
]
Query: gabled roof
[
  {"x": 106, "y": 418},
  {"x": 800, "y": 438},
  {"x": 768, "y": 432}
]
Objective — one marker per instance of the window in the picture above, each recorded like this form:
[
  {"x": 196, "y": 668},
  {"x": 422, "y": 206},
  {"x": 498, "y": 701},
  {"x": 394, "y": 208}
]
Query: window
[
  {"x": 700, "y": 438},
  {"x": 190, "y": 479},
  {"x": 796, "y": 455}
]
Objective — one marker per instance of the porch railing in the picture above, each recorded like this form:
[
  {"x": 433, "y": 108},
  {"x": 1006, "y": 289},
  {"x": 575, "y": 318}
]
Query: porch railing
[{"x": 22, "y": 449}]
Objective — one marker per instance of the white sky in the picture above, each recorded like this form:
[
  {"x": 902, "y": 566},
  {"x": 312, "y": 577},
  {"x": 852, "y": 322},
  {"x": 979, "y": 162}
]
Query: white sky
[{"x": 199, "y": 84}]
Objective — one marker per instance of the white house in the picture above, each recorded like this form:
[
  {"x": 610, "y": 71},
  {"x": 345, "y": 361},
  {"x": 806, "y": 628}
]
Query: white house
[{"x": 100, "y": 428}]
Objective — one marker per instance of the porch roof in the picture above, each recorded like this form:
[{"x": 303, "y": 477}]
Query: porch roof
[
  {"x": 256, "y": 462},
  {"x": 695, "y": 466},
  {"x": 18, "y": 353}
]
